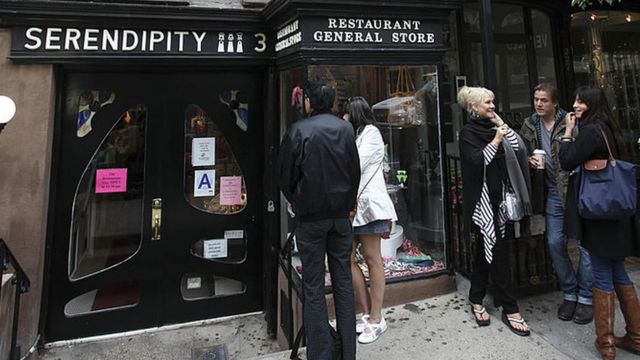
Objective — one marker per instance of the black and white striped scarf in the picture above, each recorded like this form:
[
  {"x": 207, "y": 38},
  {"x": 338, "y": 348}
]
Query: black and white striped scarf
[{"x": 483, "y": 213}]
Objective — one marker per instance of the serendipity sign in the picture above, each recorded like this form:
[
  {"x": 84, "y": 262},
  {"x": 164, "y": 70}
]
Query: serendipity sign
[
  {"x": 350, "y": 32},
  {"x": 76, "y": 41}
]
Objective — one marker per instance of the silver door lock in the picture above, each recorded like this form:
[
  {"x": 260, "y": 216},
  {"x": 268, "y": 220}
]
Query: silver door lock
[{"x": 270, "y": 206}]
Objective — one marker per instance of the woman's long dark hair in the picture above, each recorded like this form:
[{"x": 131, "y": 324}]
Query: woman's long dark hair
[
  {"x": 360, "y": 113},
  {"x": 600, "y": 112}
]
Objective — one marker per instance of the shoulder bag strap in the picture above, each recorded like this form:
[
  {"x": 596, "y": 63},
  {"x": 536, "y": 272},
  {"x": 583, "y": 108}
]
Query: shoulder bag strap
[
  {"x": 371, "y": 178},
  {"x": 606, "y": 141}
]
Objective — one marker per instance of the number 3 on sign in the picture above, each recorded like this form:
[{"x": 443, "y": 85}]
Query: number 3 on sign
[{"x": 262, "y": 41}]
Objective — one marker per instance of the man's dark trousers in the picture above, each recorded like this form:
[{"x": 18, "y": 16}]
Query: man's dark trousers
[{"x": 314, "y": 239}]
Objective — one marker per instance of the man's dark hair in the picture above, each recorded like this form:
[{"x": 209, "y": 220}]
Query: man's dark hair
[
  {"x": 321, "y": 94},
  {"x": 550, "y": 89}
]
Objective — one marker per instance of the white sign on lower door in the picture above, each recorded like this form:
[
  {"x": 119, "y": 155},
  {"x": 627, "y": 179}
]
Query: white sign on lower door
[
  {"x": 204, "y": 183},
  {"x": 215, "y": 248}
]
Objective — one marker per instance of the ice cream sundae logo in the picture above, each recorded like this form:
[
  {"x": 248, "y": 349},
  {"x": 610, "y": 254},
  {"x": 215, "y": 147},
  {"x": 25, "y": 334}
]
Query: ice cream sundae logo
[
  {"x": 89, "y": 103},
  {"x": 233, "y": 99}
]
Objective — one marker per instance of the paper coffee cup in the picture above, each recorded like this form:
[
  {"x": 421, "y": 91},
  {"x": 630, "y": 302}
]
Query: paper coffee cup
[{"x": 539, "y": 154}]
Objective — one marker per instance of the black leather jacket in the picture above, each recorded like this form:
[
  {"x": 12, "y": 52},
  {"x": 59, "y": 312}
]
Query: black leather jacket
[{"x": 319, "y": 168}]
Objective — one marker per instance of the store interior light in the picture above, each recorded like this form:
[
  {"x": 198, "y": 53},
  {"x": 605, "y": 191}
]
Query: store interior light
[{"x": 628, "y": 17}]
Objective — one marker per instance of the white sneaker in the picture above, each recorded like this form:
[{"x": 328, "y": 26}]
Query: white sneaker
[
  {"x": 372, "y": 332},
  {"x": 362, "y": 323}
]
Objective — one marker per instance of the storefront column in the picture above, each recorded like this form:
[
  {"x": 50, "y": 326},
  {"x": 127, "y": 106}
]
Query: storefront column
[{"x": 25, "y": 169}]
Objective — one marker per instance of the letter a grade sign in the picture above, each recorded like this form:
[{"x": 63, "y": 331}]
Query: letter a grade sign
[{"x": 204, "y": 183}]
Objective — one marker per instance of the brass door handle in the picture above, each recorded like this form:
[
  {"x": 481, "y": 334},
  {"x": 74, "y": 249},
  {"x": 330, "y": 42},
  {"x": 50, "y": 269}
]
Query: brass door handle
[{"x": 156, "y": 218}]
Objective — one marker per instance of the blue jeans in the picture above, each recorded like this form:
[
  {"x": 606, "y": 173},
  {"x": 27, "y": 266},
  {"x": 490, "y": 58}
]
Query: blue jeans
[
  {"x": 607, "y": 273},
  {"x": 576, "y": 287}
]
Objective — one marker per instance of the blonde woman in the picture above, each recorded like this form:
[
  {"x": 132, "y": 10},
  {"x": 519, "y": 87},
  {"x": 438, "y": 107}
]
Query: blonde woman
[{"x": 484, "y": 141}]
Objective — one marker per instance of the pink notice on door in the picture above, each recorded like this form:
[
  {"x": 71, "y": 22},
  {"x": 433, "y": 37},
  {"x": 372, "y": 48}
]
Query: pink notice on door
[
  {"x": 230, "y": 190},
  {"x": 111, "y": 180}
]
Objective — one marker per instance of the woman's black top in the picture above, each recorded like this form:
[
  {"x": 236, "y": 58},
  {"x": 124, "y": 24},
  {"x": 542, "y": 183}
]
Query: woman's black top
[
  {"x": 609, "y": 239},
  {"x": 474, "y": 138}
]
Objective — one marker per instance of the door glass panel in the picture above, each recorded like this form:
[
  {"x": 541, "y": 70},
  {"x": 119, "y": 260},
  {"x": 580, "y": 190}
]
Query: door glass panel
[
  {"x": 106, "y": 219},
  {"x": 543, "y": 45},
  {"x": 514, "y": 90},
  {"x": 213, "y": 178},
  {"x": 196, "y": 286},
  {"x": 111, "y": 297},
  {"x": 226, "y": 250}
]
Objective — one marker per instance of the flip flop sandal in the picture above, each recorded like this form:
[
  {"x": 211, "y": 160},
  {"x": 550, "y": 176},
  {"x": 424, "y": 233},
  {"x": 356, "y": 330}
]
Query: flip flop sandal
[
  {"x": 479, "y": 321},
  {"x": 362, "y": 323},
  {"x": 508, "y": 320},
  {"x": 372, "y": 332}
]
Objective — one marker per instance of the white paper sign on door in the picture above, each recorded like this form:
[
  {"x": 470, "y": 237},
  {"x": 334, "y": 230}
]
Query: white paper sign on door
[
  {"x": 215, "y": 248},
  {"x": 233, "y": 234},
  {"x": 203, "y": 151},
  {"x": 204, "y": 183}
]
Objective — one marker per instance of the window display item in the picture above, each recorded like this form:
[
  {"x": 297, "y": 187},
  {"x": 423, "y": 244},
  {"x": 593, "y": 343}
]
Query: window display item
[{"x": 388, "y": 247}]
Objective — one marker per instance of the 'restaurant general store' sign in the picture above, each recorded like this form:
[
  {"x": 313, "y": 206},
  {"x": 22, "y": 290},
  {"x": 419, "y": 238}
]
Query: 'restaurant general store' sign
[{"x": 359, "y": 33}]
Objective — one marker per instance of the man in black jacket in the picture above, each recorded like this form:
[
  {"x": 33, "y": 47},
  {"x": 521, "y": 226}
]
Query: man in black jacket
[{"x": 319, "y": 175}]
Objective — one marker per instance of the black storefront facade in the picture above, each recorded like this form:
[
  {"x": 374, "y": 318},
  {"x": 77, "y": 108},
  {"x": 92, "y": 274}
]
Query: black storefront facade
[{"x": 165, "y": 121}]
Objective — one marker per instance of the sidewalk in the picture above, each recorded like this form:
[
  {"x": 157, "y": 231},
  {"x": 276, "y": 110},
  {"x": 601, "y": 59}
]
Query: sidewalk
[{"x": 435, "y": 328}]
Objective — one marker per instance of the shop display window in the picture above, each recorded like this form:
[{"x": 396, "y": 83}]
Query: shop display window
[
  {"x": 405, "y": 104},
  {"x": 605, "y": 54}
]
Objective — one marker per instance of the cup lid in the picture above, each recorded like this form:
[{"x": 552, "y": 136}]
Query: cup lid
[{"x": 539, "y": 151}]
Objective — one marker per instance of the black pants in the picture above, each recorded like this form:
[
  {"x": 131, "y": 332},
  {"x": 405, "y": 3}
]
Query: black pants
[
  {"x": 314, "y": 239},
  {"x": 500, "y": 270}
]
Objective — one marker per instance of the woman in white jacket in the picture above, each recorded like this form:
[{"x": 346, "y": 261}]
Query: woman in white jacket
[{"x": 373, "y": 212}]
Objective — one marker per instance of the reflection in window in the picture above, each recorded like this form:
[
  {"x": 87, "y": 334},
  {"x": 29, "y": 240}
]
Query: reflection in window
[
  {"x": 111, "y": 297},
  {"x": 200, "y": 286},
  {"x": 213, "y": 178},
  {"x": 606, "y": 54},
  {"x": 543, "y": 44},
  {"x": 106, "y": 219},
  {"x": 405, "y": 104},
  {"x": 514, "y": 94},
  {"x": 225, "y": 250}
]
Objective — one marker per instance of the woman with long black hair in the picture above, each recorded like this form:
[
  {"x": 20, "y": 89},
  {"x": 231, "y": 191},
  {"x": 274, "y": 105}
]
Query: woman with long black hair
[{"x": 608, "y": 241}]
